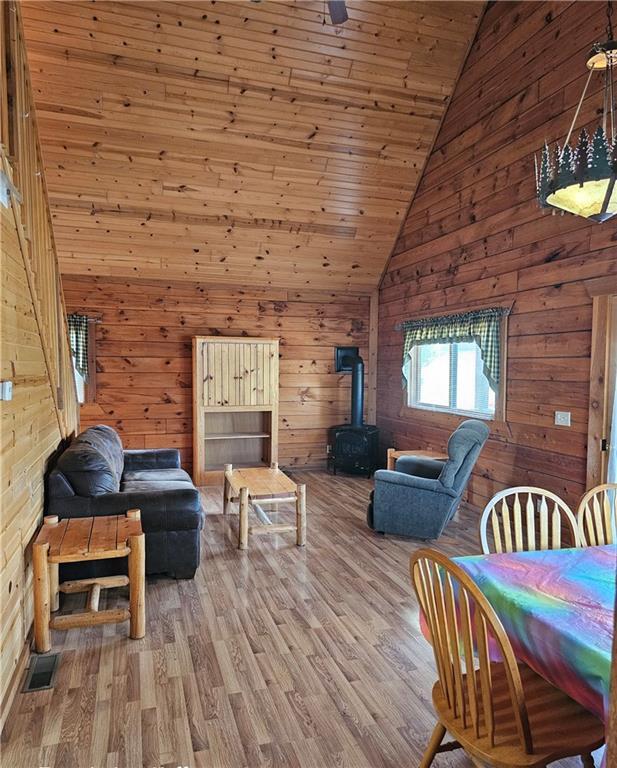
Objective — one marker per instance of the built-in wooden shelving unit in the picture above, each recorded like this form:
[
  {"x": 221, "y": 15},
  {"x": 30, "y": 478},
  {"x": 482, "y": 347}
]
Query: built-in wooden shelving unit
[{"x": 235, "y": 404}]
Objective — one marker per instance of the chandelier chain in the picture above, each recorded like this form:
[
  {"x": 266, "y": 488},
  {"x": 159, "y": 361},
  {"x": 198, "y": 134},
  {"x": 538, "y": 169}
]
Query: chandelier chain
[{"x": 609, "y": 20}]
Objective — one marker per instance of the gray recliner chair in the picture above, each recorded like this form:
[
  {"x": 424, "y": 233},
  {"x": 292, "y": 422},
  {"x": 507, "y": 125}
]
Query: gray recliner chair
[{"x": 420, "y": 496}]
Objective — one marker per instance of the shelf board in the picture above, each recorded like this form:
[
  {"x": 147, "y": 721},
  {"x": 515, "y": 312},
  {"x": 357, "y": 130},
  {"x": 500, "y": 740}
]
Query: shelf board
[
  {"x": 219, "y": 468},
  {"x": 236, "y": 435},
  {"x": 237, "y": 408}
]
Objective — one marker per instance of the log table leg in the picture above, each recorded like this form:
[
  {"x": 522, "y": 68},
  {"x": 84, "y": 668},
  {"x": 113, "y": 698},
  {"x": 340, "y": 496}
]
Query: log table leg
[
  {"x": 137, "y": 586},
  {"x": 243, "y": 527},
  {"x": 42, "y": 614},
  {"x": 54, "y": 583},
  {"x": 137, "y": 582},
  {"x": 54, "y": 571},
  {"x": 227, "y": 488},
  {"x": 301, "y": 515},
  {"x": 391, "y": 461}
]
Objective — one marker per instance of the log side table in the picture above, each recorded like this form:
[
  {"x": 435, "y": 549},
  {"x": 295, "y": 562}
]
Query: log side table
[
  {"x": 259, "y": 487},
  {"x": 77, "y": 540}
]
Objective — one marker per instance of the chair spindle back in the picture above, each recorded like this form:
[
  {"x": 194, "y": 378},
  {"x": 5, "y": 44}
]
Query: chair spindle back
[
  {"x": 597, "y": 515},
  {"x": 463, "y": 627},
  {"x": 527, "y": 519}
]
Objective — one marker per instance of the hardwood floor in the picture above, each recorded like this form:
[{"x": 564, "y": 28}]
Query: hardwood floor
[{"x": 277, "y": 656}]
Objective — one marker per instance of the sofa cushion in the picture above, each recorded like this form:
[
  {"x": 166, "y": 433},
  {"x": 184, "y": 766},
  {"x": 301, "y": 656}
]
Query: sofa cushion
[
  {"x": 93, "y": 462},
  {"x": 143, "y": 486},
  {"x": 156, "y": 475},
  {"x": 152, "y": 458}
]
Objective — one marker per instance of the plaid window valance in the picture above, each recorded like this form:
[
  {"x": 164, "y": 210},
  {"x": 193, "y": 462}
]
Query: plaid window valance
[
  {"x": 482, "y": 326},
  {"x": 78, "y": 339}
]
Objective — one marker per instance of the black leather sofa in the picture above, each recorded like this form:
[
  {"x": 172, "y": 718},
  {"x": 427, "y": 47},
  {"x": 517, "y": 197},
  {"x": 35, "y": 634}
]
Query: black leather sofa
[{"x": 96, "y": 476}]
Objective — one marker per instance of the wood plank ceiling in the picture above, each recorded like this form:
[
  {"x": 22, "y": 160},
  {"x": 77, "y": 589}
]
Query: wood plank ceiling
[{"x": 238, "y": 142}]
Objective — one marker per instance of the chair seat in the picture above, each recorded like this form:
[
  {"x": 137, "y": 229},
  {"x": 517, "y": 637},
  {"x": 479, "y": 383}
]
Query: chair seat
[{"x": 559, "y": 726}]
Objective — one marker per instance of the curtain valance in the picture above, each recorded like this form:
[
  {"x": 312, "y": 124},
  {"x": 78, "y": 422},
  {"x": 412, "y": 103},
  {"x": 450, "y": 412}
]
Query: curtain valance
[
  {"x": 78, "y": 339},
  {"x": 482, "y": 326}
]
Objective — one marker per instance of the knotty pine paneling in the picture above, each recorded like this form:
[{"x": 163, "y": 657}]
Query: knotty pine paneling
[
  {"x": 474, "y": 236},
  {"x": 144, "y": 356},
  {"x": 239, "y": 142},
  {"x": 34, "y": 355},
  {"x": 30, "y": 435}
]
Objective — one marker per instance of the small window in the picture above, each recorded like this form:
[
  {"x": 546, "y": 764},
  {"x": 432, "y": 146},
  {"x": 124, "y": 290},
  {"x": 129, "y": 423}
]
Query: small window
[
  {"x": 81, "y": 383},
  {"x": 449, "y": 377},
  {"x": 82, "y": 336}
]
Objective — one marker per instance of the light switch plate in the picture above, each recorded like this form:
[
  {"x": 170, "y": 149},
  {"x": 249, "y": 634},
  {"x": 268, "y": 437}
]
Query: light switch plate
[
  {"x": 6, "y": 390},
  {"x": 562, "y": 418}
]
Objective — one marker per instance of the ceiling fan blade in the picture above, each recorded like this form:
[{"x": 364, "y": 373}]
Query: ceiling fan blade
[{"x": 338, "y": 11}]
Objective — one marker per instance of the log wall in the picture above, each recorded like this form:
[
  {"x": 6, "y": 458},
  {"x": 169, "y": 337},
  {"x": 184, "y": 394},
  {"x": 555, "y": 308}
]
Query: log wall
[
  {"x": 144, "y": 356},
  {"x": 474, "y": 236}
]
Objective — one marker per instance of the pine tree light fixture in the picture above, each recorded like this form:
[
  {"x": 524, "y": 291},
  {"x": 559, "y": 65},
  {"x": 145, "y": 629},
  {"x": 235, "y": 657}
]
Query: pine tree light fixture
[{"x": 582, "y": 180}]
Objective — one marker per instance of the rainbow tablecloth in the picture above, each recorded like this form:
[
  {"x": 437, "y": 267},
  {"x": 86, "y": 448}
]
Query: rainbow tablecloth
[{"x": 557, "y": 608}]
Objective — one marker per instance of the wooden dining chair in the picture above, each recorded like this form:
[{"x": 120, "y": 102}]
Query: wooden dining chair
[
  {"x": 597, "y": 516},
  {"x": 500, "y": 712},
  {"x": 526, "y": 519}
]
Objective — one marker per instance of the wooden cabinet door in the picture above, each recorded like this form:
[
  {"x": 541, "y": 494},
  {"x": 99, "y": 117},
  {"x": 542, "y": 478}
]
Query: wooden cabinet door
[
  {"x": 239, "y": 373},
  {"x": 235, "y": 403}
]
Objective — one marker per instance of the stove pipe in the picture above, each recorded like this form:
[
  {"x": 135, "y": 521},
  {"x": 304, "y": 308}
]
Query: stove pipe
[{"x": 357, "y": 388}]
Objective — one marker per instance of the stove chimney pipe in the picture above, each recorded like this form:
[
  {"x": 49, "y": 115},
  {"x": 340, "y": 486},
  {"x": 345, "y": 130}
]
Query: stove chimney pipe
[{"x": 357, "y": 388}]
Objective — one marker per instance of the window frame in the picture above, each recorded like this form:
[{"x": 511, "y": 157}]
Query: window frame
[{"x": 500, "y": 395}]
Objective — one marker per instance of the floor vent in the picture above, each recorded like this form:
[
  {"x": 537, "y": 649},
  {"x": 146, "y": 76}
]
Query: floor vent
[{"x": 41, "y": 672}]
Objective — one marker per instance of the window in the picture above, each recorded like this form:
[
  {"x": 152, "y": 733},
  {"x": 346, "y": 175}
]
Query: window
[
  {"x": 81, "y": 383},
  {"x": 449, "y": 377},
  {"x": 82, "y": 337},
  {"x": 453, "y": 362}
]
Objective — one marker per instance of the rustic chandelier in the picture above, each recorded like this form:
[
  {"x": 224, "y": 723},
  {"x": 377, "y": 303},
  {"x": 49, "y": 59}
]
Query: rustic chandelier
[{"x": 581, "y": 180}]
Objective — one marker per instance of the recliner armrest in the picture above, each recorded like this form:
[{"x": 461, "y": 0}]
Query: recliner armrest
[
  {"x": 411, "y": 481},
  {"x": 419, "y": 467},
  {"x": 156, "y": 458}
]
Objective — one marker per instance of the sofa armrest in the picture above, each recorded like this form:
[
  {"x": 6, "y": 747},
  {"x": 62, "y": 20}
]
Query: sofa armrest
[
  {"x": 392, "y": 477},
  {"x": 157, "y": 458}
]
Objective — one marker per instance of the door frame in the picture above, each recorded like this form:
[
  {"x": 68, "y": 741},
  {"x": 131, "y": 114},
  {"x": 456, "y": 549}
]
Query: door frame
[{"x": 601, "y": 376}]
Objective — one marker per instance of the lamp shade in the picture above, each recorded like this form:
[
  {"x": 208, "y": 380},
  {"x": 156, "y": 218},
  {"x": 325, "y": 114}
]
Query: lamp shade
[
  {"x": 580, "y": 181},
  {"x": 596, "y": 200}
]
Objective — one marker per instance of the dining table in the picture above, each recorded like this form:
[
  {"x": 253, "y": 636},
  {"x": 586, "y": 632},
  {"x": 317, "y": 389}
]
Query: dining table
[{"x": 558, "y": 610}]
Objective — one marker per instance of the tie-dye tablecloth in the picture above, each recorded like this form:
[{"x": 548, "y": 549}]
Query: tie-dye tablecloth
[{"x": 557, "y": 608}]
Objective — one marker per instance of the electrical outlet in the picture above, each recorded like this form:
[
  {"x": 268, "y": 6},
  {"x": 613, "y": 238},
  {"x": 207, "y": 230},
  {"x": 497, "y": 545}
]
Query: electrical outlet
[{"x": 562, "y": 418}]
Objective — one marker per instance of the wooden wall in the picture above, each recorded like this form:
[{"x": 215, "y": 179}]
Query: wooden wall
[
  {"x": 474, "y": 236},
  {"x": 144, "y": 356},
  {"x": 33, "y": 354}
]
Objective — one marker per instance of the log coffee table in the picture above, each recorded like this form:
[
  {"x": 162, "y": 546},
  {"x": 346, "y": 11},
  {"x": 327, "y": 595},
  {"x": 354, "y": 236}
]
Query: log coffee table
[
  {"x": 77, "y": 540},
  {"x": 258, "y": 487}
]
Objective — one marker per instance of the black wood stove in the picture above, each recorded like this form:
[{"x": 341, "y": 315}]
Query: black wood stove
[{"x": 353, "y": 447}]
